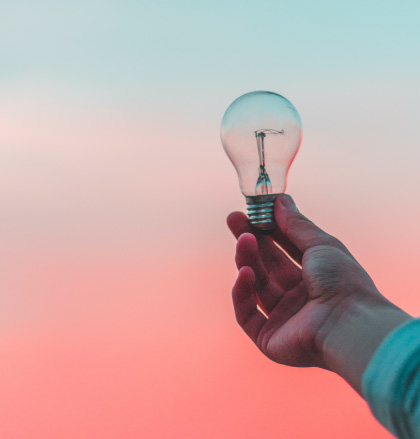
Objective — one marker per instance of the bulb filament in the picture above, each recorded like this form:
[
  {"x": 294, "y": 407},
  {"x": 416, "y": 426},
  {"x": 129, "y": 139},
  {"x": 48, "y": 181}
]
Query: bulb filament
[{"x": 263, "y": 185}]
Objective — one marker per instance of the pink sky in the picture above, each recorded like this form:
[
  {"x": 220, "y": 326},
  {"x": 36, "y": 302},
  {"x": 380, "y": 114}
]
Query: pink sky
[{"x": 117, "y": 270}]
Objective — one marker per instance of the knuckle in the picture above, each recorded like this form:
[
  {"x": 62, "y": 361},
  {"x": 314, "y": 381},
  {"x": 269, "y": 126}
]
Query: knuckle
[
  {"x": 262, "y": 340},
  {"x": 333, "y": 240}
]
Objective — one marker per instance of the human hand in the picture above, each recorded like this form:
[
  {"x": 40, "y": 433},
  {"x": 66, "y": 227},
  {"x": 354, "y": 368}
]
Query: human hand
[{"x": 314, "y": 309}]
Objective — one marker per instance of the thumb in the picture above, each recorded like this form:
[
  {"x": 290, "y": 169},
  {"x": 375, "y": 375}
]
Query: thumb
[{"x": 302, "y": 232}]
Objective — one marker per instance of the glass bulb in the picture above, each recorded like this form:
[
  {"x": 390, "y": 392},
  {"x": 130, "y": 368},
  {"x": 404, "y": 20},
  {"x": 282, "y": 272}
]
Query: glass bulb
[{"x": 261, "y": 133}]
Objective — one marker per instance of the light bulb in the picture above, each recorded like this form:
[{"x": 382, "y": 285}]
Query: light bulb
[{"x": 261, "y": 133}]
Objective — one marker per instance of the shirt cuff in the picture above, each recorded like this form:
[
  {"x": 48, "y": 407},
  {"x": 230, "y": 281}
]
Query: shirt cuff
[{"x": 391, "y": 381}]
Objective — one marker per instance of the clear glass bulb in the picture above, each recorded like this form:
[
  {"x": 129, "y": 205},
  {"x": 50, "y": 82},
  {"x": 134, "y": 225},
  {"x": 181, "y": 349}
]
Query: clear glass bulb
[{"x": 261, "y": 133}]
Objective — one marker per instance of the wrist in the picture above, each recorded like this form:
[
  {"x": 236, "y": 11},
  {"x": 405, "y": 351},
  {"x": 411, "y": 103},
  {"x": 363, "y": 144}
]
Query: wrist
[{"x": 354, "y": 329}]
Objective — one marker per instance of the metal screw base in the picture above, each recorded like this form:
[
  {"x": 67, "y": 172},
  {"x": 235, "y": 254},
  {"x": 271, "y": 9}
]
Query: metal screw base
[{"x": 261, "y": 212}]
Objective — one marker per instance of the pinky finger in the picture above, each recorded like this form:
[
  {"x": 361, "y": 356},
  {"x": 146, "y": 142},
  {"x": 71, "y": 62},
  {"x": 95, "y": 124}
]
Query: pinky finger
[{"x": 244, "y": 301}]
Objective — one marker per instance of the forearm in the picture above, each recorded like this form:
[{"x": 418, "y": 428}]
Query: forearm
[{"x": 353, "y": 333}]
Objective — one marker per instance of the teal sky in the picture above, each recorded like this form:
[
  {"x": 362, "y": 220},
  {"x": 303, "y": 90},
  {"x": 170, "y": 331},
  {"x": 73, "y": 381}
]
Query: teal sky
[
  {"x": 153, "y": 52},
  {"x": 351, "y": 69}
]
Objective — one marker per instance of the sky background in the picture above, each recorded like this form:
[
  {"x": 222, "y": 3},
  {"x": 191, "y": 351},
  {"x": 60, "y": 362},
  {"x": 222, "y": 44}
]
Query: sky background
[{"x": 116, "y": 265}]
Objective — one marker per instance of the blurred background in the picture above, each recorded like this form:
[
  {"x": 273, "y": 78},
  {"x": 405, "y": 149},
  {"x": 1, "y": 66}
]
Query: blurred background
[{"x": 116, "y": 264}]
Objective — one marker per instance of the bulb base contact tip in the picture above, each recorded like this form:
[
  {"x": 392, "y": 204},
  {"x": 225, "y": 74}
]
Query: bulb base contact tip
[{"x": 261, "y": 212}]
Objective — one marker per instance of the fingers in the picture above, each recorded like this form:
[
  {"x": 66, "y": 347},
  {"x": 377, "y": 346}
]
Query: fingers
[
  {"x": 247, "y": 315},
  {"x": 286, "y": 272},
  {"x": 238, "y": 224},
  {"x": 284, "y": 242},
  {"x": 287, "y": 307},
  {"x": 247, "y": 255},
  {"x": 298, "y": 229},
  {"x": 256, "y": 325}
]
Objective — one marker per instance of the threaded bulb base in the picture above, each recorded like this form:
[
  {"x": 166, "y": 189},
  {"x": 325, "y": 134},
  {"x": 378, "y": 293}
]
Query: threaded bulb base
[{"x": 261, "y": 212}]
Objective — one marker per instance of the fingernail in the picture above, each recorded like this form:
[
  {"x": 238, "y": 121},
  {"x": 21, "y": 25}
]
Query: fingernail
[{"x": 288, "y": 202}]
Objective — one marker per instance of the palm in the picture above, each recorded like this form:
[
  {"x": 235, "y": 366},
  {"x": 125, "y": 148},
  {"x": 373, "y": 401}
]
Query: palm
[{"x": 293, "y": 298}]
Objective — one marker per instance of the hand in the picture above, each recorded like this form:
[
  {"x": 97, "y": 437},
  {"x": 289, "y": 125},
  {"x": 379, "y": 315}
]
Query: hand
[{"x": 310, "y": 302}]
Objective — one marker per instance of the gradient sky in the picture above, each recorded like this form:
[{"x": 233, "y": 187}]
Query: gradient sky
[{"x": 116, "y": 265}]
